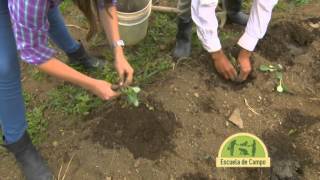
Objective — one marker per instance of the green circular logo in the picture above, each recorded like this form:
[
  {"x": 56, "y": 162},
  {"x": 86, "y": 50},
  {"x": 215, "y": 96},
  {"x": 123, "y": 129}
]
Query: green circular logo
[{"x": 243, "y": 150}]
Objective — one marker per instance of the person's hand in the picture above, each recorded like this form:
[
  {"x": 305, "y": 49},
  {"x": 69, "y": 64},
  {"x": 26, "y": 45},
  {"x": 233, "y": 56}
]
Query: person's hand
[
  {"x": 223, "y": 65},
  {"x": 102, "y": 89},
  {"x": 124, "y": 70},
  {"x": 245, "y": 64}
]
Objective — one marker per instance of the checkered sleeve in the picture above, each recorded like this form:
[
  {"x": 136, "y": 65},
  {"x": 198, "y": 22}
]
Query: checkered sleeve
[{"x": 30, "y": 26}]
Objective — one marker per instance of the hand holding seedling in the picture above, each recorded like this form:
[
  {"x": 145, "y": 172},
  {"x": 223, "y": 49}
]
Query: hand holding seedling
[
  {"x": 102, "y": 89},
  {"x": 130, "y": 92},
  {"x": 245, "y": 64},
  {"x": 223, "y": 65},
  {"x": 227, "y": 68},
  {"x": 124, "y": 70}
]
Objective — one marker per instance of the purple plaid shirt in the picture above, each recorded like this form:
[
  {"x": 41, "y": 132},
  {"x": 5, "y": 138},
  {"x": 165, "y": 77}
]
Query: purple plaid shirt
[{"x": 30, "y": 27}]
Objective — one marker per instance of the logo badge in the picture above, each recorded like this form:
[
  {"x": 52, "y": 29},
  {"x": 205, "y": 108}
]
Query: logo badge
[{"x": 243, "y": 150}]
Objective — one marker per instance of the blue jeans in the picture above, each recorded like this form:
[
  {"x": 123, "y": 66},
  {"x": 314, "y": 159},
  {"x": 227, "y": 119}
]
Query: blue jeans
[{"x": 12, "y": 110}]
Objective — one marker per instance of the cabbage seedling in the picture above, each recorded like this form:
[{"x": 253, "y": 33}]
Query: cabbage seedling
[
  {"x": 279, "y": 76},
  {"x": 132, "y": 94},
  {"x": 278, "y": 72}
]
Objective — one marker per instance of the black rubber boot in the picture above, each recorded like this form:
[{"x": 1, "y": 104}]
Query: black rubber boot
[
  {"x": 83, "y": 58},
  {"x": 183, "y": 42},
  {"x": 29, "y": 159},
  {"x": 234, "y": 12}
]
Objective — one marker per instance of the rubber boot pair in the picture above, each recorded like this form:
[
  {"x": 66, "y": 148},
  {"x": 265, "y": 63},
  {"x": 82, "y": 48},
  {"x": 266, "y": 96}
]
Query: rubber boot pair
[
  {"x": 29, "y": 159},
  {"x": 81, "y": 57},
  {"x": 183, "y": 37}
]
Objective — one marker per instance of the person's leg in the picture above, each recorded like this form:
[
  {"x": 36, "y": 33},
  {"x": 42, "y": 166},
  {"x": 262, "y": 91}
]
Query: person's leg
[
  {"x": 184, "y": 31},
  {"x": 60, "y": 35},
  {"x": 12, "y": 110},
  {"x": 235, "y": 15}
]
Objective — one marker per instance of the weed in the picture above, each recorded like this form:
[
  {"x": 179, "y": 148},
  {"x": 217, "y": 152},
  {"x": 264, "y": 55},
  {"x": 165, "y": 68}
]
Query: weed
[
  {"x": 72, "y": 100},
  {"x": 36, "y": 124}
]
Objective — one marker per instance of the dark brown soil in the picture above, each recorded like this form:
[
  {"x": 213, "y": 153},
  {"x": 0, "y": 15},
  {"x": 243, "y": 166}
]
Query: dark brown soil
[{"x": 145, "y": 133}]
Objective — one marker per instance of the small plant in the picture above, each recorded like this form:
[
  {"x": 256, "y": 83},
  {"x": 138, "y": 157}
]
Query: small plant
[
  {"x": 278, "y": 73},
  {"x": 132, "y": 94},
  {"x": 270, "y": 68}
]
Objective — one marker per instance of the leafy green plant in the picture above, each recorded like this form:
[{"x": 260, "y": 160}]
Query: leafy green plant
[
  {"x": 278, "y": 74},
  {"x": 132, "y": 94},
  {"x": 72, "y": 100},
  {"x": 36, "y": 124}
]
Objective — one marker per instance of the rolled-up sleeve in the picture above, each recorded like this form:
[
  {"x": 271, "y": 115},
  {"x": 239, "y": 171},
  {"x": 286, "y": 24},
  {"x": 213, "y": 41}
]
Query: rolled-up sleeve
[
  {"x": 204, "y": 16},
  {"x": 260, "y": 15},
  {"x": 30, "y": 26}
]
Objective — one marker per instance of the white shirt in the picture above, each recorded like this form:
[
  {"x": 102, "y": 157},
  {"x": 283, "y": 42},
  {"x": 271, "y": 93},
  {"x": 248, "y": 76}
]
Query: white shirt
[{"x": 203, "y": 14}]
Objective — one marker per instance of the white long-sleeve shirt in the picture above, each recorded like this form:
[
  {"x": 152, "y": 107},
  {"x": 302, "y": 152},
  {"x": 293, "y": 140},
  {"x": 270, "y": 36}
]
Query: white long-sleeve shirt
[{"x": 203, "y": 14}]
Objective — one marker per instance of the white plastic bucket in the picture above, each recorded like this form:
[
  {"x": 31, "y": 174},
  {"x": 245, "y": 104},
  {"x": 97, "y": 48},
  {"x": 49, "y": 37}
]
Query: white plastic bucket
[{"x": 133, "y": 26}]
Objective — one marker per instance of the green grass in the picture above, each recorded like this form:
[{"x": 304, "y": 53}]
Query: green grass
[
  {"x": 72, "y": 100},
  {"x": 37, "y": 124}
]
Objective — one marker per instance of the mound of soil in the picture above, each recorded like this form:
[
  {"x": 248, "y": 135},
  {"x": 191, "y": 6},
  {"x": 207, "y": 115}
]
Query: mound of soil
[
  {"x": 145, "y": 133},
  {"x": 286, "y": 40}
]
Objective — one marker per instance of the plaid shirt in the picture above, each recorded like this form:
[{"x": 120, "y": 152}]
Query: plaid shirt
[{"x": 30, "y": 26}]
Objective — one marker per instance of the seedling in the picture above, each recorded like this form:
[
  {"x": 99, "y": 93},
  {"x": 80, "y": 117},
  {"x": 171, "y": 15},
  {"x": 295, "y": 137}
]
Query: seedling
[
  {"x": 280, "y": 87},
  {"x": 270, "y": 68},
  {"x": 132, "y": 94},
  {"x": 279, "y": 76}
]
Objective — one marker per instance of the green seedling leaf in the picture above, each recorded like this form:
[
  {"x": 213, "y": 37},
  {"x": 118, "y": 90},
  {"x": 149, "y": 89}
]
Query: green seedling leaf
[
  {"x": 132, "y": 94},
  {"x": 267, "y": 68},
  {"x": 264, "y": 68},
  {"x": 233, "y": 60},
  {"x": 279, "y": 76},
  {"x": 136, "y": 89}
]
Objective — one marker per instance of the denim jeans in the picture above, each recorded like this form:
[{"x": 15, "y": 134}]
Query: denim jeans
[{"x": 12, "y": 110}]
